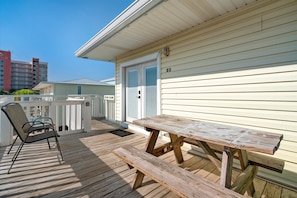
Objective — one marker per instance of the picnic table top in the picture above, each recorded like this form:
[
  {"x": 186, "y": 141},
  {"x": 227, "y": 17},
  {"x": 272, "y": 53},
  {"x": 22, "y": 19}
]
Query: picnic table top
[{"x": 225, "y": 135}]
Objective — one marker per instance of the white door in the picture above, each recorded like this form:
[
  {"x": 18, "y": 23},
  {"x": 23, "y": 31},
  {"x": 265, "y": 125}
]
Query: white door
[{"x": 141, "y": 91}]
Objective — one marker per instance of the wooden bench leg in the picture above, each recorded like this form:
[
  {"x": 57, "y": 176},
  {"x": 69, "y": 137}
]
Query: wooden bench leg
[
  {"x": 245, "y": 180},
  {"x": 210, "y": 154},
  {"x": 176, "y": 148},
  {"x": 244, "y": 163},
  {"x": 149, "y": 149}
]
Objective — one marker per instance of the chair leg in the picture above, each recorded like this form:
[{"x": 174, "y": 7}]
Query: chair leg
[
  {"x": 15, "y": 156},
  {"x": 59, "y": 148},
  {"x": 17, "y": 151},
  {"x": 48, "y": 143},
  {"x": 12, "y": 144}
]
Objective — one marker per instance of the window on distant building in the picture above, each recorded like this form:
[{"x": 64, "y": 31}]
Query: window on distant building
[{"x": 79, "y": 89}]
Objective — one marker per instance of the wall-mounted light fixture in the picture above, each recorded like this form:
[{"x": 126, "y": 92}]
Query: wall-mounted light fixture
[{"x": 166, "y": 51}]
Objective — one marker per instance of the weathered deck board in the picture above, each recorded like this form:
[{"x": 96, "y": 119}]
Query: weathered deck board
[{"x": 91, "y": 170}]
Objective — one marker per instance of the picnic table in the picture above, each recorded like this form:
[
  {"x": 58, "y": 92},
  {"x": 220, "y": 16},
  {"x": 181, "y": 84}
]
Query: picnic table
[{"x": 234, "y": 140}]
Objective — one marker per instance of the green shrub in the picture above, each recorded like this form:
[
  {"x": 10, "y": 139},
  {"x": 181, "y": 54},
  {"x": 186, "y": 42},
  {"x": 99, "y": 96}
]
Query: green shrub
[{"x": 25, "y": 92}]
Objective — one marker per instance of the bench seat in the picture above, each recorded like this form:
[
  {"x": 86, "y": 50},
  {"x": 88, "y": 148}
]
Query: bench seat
[{"x": 178, "y": 180}]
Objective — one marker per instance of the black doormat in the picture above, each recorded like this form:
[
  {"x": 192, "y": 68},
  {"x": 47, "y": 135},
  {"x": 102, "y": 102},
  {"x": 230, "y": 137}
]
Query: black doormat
[{"x": 121, "y": 133}]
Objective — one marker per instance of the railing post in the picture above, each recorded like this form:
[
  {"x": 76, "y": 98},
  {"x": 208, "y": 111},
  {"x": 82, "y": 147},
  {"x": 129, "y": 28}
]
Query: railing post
[
  {"x": 87, "y": 114},
  {"x": 6, "y": 133},
  {"x": 52, "y": 113},
  {"x": 6, "y": 130}
]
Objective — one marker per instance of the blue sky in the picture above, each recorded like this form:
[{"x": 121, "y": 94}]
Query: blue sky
[{"x": 52, "y": 30}]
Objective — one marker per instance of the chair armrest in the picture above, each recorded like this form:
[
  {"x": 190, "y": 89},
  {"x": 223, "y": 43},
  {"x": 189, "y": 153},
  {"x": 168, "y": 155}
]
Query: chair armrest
[
  {"x": 46, "y": 119},
  {"x": 40, "y": 123}
]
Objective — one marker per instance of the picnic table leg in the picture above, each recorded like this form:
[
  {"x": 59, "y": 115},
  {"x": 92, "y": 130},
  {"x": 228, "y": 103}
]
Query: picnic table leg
[
  {"x": 227, "y": 164},
  {"x": 149, "y": 148},
  {"x": 176, "y": 148}
]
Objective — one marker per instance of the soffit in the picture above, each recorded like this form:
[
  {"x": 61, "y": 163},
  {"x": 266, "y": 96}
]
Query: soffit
[{"x": 163, "y": 20}]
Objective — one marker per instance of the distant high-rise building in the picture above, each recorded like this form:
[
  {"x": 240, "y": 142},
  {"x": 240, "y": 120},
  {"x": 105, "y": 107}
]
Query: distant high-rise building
[
  {"x": 5, "y": 66},
  {"x": 16, "y": 75}
]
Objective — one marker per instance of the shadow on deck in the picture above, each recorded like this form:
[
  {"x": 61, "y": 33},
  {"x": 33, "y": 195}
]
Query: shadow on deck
[{"x": 91, "y": 170}]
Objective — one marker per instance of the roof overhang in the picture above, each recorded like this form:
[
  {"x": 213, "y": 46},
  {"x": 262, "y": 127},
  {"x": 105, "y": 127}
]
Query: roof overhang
[
  {"x": 83, "y": 81},
  {"x": 147, "y": 21},
  {"x": 42, "y": 85}
]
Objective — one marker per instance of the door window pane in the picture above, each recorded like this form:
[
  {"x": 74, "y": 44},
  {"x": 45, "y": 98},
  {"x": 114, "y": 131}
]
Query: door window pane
[
  {"x": 132, "y": 93},
  {"x": 150, "y": 91}
]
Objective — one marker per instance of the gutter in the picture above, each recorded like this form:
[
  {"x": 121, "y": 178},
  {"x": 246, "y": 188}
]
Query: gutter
[{"x": 123, "y": 20}]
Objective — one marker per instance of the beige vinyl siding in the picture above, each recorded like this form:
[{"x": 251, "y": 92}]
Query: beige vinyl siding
[
  {"x": 242, "y": 73},
  {"x": 238, "y": 69}
]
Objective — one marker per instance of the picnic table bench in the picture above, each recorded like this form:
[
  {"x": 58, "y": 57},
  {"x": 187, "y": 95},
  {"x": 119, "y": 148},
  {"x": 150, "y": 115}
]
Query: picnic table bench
[
  {"x": 180, "y": 181},
  {"x": 233, "y": 141}
]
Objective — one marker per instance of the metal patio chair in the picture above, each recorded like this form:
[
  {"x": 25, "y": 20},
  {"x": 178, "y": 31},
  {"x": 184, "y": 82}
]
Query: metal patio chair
[
  {"x": 32, "y": 126},
  {"x": 27, "y": 131}
]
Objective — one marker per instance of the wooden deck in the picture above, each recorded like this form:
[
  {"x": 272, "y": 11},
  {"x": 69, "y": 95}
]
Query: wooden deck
[{"x": 91, "y": 170}]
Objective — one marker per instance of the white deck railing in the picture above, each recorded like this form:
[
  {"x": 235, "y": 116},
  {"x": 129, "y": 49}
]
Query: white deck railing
[
  {"x": 68, "y": 116},
  {"x": 96, "y": 101},
  {"x": 71, "y": 115},
  {"x": 109, "y": 108}
]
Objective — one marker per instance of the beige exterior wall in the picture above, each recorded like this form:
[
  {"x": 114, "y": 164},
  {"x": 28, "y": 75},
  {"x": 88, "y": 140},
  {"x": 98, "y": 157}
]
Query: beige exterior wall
[{"x": 239, "y": 69}]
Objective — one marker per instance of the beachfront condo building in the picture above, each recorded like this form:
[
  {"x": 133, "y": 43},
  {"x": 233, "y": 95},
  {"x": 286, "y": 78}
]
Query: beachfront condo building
[{"x": 15, "y": 75}]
